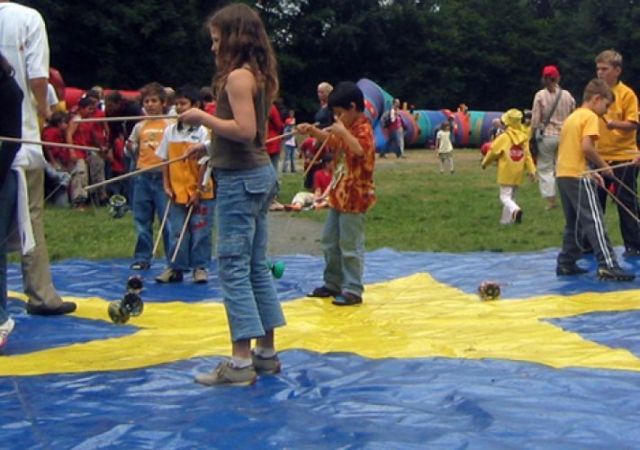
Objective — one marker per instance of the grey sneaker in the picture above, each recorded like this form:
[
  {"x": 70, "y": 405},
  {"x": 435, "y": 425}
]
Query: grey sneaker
[
  {"x": 170, "y": 276},
  {"x": 200, "y": 276},
  {"x": 614, "y": 273},
  {"x": 264, "y": 365},
  {"x": 226, "y": 374},
  {"x": 5, "y": 330}
]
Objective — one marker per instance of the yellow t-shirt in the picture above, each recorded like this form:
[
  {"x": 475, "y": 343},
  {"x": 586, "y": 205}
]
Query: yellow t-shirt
[
  {"x": 571, "y": 160},
  {"x": 615, "y": 145}
]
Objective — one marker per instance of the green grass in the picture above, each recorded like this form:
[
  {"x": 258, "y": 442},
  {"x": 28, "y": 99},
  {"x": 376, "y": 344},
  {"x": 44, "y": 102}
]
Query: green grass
[{"x": 417, "y": 209}]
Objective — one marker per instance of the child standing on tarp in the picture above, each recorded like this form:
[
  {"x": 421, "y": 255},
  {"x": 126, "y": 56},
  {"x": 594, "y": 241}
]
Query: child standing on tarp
[{"x": 511, "y": 150}]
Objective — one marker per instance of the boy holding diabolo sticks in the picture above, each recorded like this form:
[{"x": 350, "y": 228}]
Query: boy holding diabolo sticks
[
  {"x": 577, "y": 186},
  {"x": 190, "y": 200},
  {"x": 148, "y": 190},
  {"x": 351, "y": 194}
]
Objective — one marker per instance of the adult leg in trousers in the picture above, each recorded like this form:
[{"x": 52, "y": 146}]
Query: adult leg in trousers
[{"x": 36, "y": 273}]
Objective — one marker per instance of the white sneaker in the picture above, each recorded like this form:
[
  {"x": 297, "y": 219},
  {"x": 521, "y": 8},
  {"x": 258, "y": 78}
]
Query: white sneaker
[{"x": 5, "y": 330}]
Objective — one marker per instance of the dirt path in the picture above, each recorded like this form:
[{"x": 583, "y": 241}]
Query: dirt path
[{"x": 291, "y": 235}]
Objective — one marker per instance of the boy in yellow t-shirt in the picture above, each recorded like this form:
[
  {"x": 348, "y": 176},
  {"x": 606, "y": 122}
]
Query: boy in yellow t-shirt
[
  {"x": 583, "y": 214},
  {"x": 148, "y": 193},
  {"x": 511, "y": 150},
  {"x": 188, "y": 189},
  {"x": 617, "y": 144}
]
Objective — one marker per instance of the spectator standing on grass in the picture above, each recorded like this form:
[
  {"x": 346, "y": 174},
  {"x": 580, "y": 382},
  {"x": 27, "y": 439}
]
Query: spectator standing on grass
[
  {"x": 551, "y": 106},
  {"x": 445, "y": 148},
  {"x": 24, "y": 43},
  {"x": 290, "y": 145}
]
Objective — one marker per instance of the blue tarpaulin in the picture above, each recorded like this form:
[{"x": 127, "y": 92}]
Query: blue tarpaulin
[{"x": 423, "y": 363}]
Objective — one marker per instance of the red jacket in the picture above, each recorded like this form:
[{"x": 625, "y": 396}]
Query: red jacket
[{"x": 274, "y": 128}]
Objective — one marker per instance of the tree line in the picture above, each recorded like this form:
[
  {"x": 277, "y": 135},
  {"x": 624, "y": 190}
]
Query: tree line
[{"x": 433, "y": 54}]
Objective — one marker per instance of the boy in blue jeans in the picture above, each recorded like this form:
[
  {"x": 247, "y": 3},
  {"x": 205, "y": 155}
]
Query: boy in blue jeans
[
  {"x": 184, "y": 187},
  {"x": 148, "y": 193},
  {"x": 351, "y": 194}
]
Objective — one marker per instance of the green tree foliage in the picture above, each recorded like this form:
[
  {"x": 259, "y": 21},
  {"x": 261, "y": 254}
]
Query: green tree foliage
[{"x": 434, "y": 54}]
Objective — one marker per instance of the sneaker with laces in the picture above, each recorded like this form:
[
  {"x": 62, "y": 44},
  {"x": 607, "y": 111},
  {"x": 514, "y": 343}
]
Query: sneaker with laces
[
  {"x": 200, "y": 276},
  {"x": 226, "y": 374},
  {"x": 614, "y": 273},
  {"x": 170, "y": 276},
  {"x": 323, "y": 292},
  {"x": 263, "y": 365},
  {"x": 567, "y": 270},
  {"x": 5, "y": 330}
]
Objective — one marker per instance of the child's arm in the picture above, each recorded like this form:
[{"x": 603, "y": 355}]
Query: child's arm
[
  {"x": 166, "y": 182},
  {"x": 592, "y": 155},
  {"x": 133, "y": 141},
  {"x": 528, "y": 162},
  {"x": 313, "y": 131},
  {"x": 351, "y": 142}
]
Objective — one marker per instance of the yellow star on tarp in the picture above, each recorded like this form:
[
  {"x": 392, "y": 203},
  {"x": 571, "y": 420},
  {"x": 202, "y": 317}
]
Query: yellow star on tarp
[{"x": 411, "y": 317}]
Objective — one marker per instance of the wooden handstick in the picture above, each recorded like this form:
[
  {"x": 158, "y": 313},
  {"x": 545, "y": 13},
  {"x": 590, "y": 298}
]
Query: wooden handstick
[
  {"x": 182, "y": 233},
  {"x": 315, "y": 157},
  {"x": 53, "y": 144},
  {"x": 135, "y": 172},
  {"x": 165, "y": 216},
  {"x": 602, "y": 169},
  {"x": 125, "y": 118}
]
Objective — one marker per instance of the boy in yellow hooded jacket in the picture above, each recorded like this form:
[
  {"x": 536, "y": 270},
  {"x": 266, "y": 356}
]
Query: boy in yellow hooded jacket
[{"x": 511, "y": 150}]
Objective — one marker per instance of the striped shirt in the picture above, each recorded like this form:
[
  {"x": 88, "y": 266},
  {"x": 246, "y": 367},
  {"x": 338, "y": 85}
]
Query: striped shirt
[{"x": 542, "y": 104}]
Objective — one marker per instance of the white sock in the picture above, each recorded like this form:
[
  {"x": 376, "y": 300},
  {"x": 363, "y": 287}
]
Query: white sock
[
  {"x": 265, "y": 352},
  {"x": 240, "y": 363}
]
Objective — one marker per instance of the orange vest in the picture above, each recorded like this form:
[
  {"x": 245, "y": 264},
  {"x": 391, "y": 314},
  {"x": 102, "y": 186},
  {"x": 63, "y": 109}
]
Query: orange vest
[
  {"x": 151, "y": 133},
  {"x": 183, "y": 175}
]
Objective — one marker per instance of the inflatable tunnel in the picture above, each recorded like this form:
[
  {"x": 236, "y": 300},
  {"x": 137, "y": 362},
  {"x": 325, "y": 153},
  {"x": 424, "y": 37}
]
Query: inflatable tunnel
[{"x": 470, "y": 128}]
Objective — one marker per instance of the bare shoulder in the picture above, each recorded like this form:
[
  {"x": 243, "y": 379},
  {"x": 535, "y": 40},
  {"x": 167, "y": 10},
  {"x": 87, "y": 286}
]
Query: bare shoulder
[{"x": 241, "y": 79}]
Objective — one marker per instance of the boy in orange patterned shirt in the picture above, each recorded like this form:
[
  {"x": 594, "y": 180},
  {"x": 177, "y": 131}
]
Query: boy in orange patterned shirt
[{"x": 351, "y": 194}]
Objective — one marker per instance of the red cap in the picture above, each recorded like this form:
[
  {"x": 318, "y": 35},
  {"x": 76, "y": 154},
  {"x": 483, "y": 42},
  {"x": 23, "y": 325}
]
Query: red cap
[{"x": 551, "y": 72}]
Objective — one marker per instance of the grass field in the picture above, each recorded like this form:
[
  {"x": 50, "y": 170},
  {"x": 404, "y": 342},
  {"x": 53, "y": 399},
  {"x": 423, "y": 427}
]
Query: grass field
[{"x": 418, "y": 209}]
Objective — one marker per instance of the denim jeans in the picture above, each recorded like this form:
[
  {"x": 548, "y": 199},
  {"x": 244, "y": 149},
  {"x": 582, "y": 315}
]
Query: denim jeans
[
  {"x": 242, "y": 203},
  {"x": 289, "y": 157},
  {"x": 8, "y": 195},
  {"x": 149, "y": 199},
  {"x": 195, "y": 250},
  {"x": 343, "y": 247}
]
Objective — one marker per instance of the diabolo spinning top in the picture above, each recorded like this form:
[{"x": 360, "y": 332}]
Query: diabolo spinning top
[
  {"x": 134, "y": 284},
  {"x": 489, "y": 290},
  {"x": 276, "y": 268},
  {"x": 117, "y": 206}
]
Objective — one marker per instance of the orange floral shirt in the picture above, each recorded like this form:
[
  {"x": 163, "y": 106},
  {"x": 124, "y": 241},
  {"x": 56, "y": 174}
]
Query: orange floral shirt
[{"x": 352, "y": 189}]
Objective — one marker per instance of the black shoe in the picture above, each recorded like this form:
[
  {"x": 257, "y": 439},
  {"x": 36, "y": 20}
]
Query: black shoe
[
  {"x": 570, "y": 270},
  {"x": 347, "y": 299},
  {"x": 517, "y": 216},
  {"x": 631, "y": 253},
  {"x": 140, "y": 265},
  {"x": 323, "y": 292},
  {"x": 42, "y": 310},
  {"x": 614, "y": 274}
]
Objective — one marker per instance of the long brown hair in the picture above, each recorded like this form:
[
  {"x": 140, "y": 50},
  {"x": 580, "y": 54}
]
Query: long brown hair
[{"x": 244, "y": 41}]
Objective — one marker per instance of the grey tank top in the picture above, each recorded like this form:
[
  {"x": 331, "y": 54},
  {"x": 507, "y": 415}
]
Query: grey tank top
[{"x": 233, "y": 155}]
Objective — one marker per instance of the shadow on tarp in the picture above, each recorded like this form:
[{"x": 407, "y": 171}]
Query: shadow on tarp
[{"x": 334, "y": 400}]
